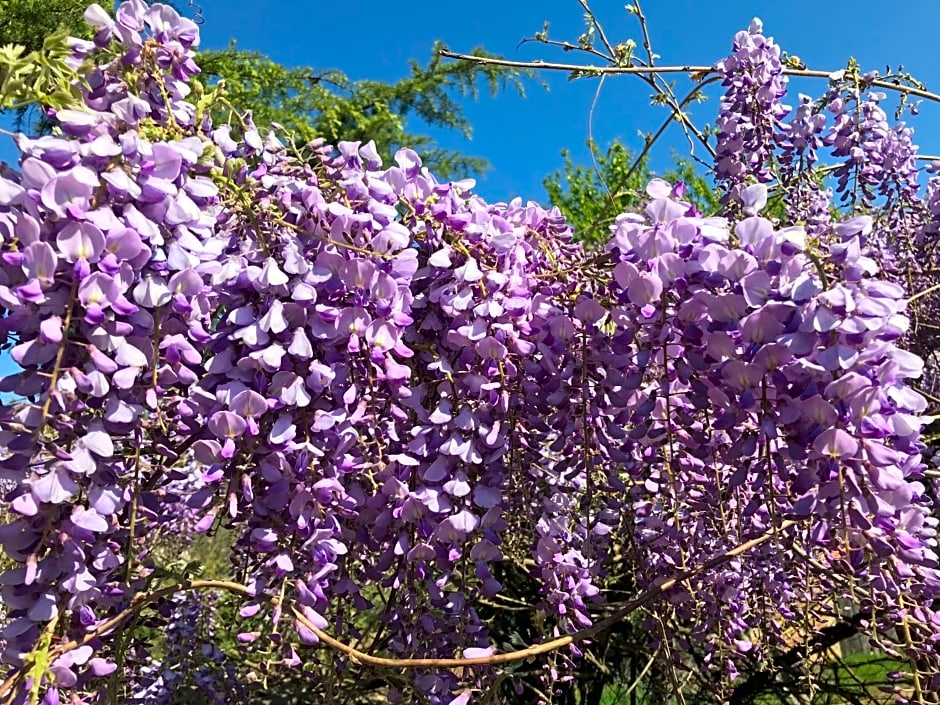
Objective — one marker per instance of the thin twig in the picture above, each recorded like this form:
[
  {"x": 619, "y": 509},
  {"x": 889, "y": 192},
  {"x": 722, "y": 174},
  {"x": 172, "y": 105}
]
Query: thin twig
[
  {"x": 925, "y": 292},
  {"x": 698, "y": 72},
  {"x": 642, "y": 675},
  {"x": 664, "y": 89},
  {"x": 597, "y": 97},
  {"x": 600, "y": 30},
  {"x": 644, "y": 28},
  {"x": 563, "y": 45}
]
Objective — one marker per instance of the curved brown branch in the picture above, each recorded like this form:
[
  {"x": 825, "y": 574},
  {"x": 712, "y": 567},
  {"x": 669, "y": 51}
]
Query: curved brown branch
[
  {"x": 555, "y": 644},
  {"x": 7, "y": 689}
]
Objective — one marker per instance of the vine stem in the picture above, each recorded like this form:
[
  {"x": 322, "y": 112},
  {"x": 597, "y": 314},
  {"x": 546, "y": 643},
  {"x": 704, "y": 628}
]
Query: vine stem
[
  {"x": 554, "y": 644},
  {"x": 698, "y": 72},
  {"x": 925, "y": 292},
  {"x": 60, "y": 353}
]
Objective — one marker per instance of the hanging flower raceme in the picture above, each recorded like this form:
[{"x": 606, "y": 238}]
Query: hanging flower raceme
[
  {"x": 99, "y": 230},
  {"x": 750, "y": 112},
  {"x": 768, "y": 395}
]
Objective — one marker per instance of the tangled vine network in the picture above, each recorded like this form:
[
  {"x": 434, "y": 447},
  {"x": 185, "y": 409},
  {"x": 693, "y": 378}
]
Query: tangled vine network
[{"x": 383, "y": 385}]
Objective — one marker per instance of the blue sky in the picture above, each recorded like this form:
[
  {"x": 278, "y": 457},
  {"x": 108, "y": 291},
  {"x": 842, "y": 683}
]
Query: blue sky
[{"x": 523, "y": 138}]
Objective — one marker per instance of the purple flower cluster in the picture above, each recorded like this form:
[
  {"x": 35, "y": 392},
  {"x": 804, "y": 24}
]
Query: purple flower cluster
[
  {"x": 876, "y": 175},
  {"x": 799, "y": 142},
  {"x": 750, "y": 112},
  {"x": 879, "y": 158},
  {"x": 340, "y": 348},
  {"x": 191, "y": 659},
  {"x": 768, "y": 394},
  {"x": 384, "y": 385}
]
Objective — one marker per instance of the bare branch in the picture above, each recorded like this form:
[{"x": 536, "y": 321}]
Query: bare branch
[{"x": 697, "y": 72}]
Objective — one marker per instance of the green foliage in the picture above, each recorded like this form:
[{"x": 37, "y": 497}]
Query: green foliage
[
  {"x": 328, "y": 104},
  {"x": 28, "y": 22},
  {"x": 591, "y": 197},
  {"x": 39, "y": 76},
  {"x": 855, "y": 679}
]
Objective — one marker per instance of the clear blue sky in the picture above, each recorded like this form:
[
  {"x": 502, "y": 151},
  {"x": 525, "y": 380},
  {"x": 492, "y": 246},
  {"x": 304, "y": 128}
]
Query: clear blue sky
[{"x": 522, "y": 138}]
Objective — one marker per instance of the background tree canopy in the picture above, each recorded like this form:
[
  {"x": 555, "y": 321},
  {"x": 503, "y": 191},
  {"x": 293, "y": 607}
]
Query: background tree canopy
[
  {"x": 29, "y": 22},
  {"x": 311, "y": 102},
  {"x": 326, "y": 103}
]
